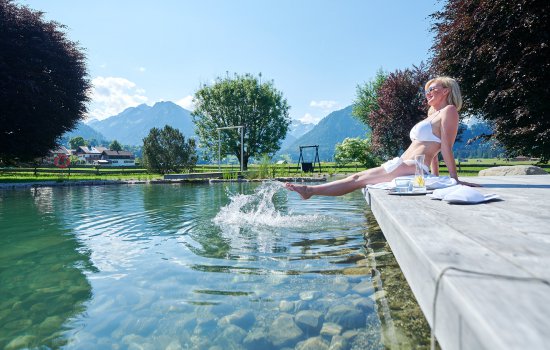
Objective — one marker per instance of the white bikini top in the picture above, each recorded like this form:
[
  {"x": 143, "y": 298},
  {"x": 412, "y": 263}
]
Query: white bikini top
[{"x": 422, "y": 131}]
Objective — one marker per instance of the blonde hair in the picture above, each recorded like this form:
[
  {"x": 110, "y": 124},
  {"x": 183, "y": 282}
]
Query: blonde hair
[{"x": 454, "y": 97}]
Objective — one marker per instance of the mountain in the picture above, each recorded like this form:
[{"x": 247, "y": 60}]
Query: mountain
[
  {"x": 470, "y": 142},
  {"x": 332, "y": 129},
  {"x": 87, "y": 132},
  {"x": 296, "y": 129},
  {"x": 132, "y": 125}
]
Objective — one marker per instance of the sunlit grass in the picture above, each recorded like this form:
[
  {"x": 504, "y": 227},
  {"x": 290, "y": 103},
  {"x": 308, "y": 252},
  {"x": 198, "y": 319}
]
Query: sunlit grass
[
  {"x": 267, "y": 170},
  {"x": 6, "y": 176}
]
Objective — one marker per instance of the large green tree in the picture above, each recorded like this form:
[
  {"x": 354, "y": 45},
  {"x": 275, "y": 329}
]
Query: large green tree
[
  {"x": 43, "y": 83},
  {"x": 166, "y": 150},
  {"x": 366, "y": 100},
  {"x": 241, "y": 100},
  {"x": 499, "y": 52}
]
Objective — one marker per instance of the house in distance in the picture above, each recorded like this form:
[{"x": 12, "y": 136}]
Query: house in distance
[{"x": 117, "y": 158}]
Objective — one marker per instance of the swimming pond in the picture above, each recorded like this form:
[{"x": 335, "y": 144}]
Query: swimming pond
[{"x": 221, "y": 266}]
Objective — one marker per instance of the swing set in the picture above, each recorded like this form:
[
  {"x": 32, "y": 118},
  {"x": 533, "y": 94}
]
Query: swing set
[{"x": 309, "y": 167}]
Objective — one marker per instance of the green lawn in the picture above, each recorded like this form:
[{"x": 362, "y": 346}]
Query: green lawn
[
  {"x": 473, "y": 166},
  {"x": 15, "y": 174},
  {"x": 469, "y": 168}
]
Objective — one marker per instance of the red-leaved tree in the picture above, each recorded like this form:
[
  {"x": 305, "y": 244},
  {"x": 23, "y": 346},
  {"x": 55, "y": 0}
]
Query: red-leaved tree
[
  {"x": 43, "y": 83},
  {"x": 401, "y": 104}
]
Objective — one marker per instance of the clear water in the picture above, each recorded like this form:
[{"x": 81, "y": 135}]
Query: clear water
[{"x": 222, "y": 266}]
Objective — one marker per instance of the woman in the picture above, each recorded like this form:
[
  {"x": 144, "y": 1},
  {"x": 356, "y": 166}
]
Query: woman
[{"x": 430, "y": 136}]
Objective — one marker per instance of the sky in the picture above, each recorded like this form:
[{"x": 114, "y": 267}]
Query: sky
[{"x": 316, "y": 52}]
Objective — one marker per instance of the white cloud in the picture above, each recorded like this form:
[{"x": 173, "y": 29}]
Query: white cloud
[
  {"x": 142, "y": 69},
  {"x": 309, "y": 119},
  {"x": 187, "y": 102},
  {"x": 112, "y": 95},
  {"x": 325, "y": 105}
]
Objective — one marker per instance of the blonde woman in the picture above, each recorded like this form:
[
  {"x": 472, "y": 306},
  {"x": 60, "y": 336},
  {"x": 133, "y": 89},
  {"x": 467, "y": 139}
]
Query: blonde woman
[{"x": 435, "y": 134}]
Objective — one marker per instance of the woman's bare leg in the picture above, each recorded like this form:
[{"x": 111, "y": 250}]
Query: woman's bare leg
[{"x": 350, "y": 183}]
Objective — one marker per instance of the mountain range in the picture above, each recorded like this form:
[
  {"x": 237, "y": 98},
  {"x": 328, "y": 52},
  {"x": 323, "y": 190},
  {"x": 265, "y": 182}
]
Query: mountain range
[
  {"x": 332, "y": 129},
  {"x": 133, "y": 124},
  {"x": 87, "y": 132},
  {"x": 296, "y": 130}
]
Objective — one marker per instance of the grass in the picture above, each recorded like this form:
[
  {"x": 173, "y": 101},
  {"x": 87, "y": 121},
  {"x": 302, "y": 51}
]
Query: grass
[
  {"x": 10, "y": 176},
  {"x": 264, "y": 169},
  {"x": 473, "y": 166},
  {"x": 7, "y": 178}
]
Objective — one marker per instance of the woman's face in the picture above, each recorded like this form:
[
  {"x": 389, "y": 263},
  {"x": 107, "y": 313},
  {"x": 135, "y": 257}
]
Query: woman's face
[{"x": 436, "y": 93}]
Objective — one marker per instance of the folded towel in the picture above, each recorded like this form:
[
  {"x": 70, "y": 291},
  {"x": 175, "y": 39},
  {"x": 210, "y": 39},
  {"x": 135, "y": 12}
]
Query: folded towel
[
  {"x": 461, "y": 194},
  {"x": 435, "y": 182}
]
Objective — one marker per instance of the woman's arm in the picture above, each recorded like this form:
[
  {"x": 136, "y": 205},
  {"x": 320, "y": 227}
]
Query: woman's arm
[
  {"x": 449, "y": 128},
  {"x": 435, "y": 165}
]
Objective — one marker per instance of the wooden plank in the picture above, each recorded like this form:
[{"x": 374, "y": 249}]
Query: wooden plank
[{"x": 509, "y": 237}]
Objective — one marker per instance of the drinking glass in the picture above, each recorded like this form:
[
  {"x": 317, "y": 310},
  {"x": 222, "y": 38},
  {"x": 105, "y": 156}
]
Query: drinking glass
[
  {"x": 402, "y": 185},
  {"x": 419, "y": 182}
]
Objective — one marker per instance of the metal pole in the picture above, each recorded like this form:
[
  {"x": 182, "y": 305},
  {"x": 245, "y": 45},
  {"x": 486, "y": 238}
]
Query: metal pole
[
  {"x": 242, "y": 149},
  {"x": 219, "y": 151}
]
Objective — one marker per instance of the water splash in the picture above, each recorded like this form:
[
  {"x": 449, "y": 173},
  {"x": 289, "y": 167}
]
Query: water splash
[{"x": 259, "y": 209}]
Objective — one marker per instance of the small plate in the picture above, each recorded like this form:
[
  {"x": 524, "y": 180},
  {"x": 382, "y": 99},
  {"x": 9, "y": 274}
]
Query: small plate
[{"x": 392, "y": 192}]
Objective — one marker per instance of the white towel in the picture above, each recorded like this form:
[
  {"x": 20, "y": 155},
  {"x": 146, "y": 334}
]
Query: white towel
[{"x": 461, "y": 194}]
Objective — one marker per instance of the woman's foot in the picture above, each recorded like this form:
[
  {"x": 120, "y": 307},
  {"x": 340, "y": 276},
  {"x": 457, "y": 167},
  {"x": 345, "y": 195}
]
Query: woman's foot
[{"x": 303, "y": 190}]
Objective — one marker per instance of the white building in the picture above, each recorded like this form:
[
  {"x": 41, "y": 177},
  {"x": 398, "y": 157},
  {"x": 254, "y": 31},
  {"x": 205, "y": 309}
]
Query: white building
[{"x": 118, "y": 158}]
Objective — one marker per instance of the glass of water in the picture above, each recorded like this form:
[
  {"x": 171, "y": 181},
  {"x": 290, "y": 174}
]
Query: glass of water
[
  {"x": 419, "y": 180},
  {"x": 402, "y": 185}
]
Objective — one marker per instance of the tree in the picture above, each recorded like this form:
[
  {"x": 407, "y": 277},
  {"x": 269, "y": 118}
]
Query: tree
[
  {"x": 241, "y": 100},
  {"x": 74, "y": 160},
  {"x": 355, "y": 150},
  {"x": 76, "y": 142},
  {"x": 498, "y": 50},
  {"x": 401, "y": 104},
  {"x": 43, "y": 83},
  {"x": 166, "y": 150},
  {"x": 367, "y": 98},
  {"x": 115, "y": 146}
]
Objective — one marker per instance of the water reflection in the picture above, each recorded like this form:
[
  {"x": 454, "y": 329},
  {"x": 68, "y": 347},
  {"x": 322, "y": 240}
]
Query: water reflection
[
  {"x": 403, "y": 323},
  {"x": 231, "y": 266},
  {"x": 42, "y": 284}
]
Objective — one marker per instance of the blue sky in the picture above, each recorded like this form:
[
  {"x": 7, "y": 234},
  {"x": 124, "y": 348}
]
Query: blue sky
[{"x": 316, "y": 52}]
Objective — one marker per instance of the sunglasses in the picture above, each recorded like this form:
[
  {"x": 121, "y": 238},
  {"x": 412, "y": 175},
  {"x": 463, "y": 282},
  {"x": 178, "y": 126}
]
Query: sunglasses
[{"x": 432, "y": 89}]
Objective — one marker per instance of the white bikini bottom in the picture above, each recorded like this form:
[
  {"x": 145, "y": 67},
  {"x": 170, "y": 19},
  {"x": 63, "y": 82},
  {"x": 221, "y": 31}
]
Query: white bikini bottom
[{"x": 394, "y": 163}]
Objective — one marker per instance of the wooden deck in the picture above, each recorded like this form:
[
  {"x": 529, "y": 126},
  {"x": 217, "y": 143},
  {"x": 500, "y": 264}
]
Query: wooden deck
[{"x": 510, "y": 237}]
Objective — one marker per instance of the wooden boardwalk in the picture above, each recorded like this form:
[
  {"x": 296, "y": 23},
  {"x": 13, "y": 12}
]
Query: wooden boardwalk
[{"x": 507, "y": 304}]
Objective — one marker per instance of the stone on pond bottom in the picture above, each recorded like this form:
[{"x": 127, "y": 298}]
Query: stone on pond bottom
[
  {"x": 346, "y": 316},
  {"x": 331, "y": 329},
  {"x": 284, "y": 331},
  {"x": 315, "y": 343},
  {"x": 309, "y": 320}
]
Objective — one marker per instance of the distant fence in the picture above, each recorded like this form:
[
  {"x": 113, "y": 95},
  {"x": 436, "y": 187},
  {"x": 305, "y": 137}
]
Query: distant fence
[{"x": 77, "y": 170}]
